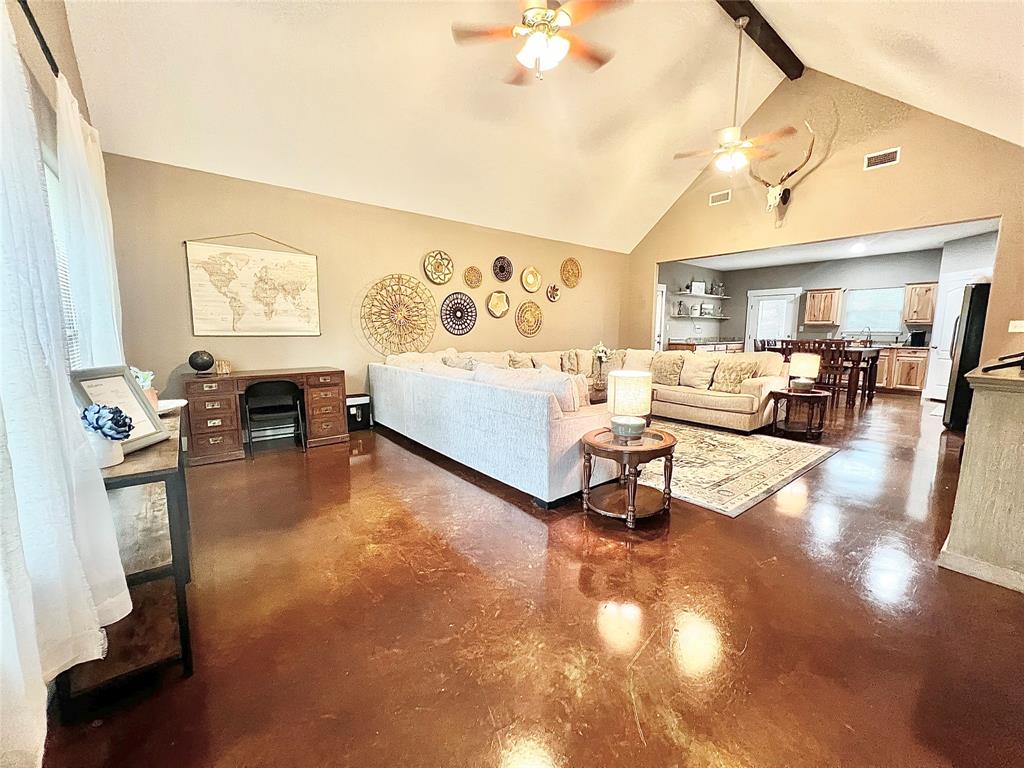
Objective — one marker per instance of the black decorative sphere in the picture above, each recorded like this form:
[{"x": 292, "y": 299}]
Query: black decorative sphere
[{"x": 201, "y": 361}]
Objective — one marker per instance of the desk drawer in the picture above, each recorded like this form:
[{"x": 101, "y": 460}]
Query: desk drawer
[
  {"x": 243, "y": 384},
  {"x": 201, "y": 407},
  {"x": 330, "y": 379},
  {"x": 214, "y": 421},
  {"x": 323, "y": 395},
  {"x": 330, "y": 427},
  {"x": 214, "y": 442},
  {"x": 201, "y": 388},
  {"x": 320, "y": 410}
]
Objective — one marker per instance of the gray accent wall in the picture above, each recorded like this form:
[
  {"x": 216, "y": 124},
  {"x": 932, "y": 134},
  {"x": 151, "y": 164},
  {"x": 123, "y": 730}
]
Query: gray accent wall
[
  {"x": 884, "y": 271},
  {"x": 675, "y": 275}
]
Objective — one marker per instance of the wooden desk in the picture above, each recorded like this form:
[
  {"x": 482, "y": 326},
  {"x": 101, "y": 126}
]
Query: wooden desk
[
  {"x": 215, "y": 414},
  {"x": 146, "y": 535}
]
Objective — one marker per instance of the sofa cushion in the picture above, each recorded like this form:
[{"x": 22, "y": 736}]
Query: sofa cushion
[
  {"x": 561, "y": 385},
  {"x": 768, "y": 363},
  {"x": 520, "y": 360},
  {"x": 568, "y": 362},
  {"x": 698, "y": 370},
  {"x": 638, "y": 359},
  {"x": 406, "y": 359},
  {"x": 732, "y": 372},
  {"x": 616, "y": 360},
  {"x": 440, "y": 369},
  {"x": 702, "y": 398},
  {"x": 552, "y": 360},
  {"x": 582, "y": 389},
  {"x": 666, "y": 367},
  {"x": 585, "y": 361}
]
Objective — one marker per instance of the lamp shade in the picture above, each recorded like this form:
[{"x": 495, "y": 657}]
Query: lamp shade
[
  {"x": 629, "y": 393},
  {"x": 804, "y": 365}
]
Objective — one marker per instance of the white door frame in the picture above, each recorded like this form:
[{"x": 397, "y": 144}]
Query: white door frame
[
  {"x": 659, "y": 323},
  {"x": 748, "y": 331}
]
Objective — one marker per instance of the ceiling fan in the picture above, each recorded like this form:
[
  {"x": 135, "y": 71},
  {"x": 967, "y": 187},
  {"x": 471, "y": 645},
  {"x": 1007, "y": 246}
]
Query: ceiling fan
[
  {"x": 733, "y": 151},
  {"x": 547, "y": 43}
]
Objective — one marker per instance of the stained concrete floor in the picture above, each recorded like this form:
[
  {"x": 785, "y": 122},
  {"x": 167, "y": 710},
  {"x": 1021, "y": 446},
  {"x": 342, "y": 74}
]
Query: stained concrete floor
[{"x": 384, "y": 606}]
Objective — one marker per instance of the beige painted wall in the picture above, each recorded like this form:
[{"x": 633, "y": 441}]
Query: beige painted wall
[
  {"x": 53, "y": 21},
  {"x": 155, "y": 207},
  {"x": 948, "y": 173}
]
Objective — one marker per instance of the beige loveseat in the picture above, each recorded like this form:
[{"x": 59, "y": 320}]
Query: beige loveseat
[{"x": 745, "y": 410}]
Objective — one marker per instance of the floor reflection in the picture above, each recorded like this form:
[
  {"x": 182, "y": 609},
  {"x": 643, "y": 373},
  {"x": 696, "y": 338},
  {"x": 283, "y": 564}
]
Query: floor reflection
[
  {"x": 696, "y": 645},
  {"x": 620, "y": 626},
  {"x": 527, "y": 752},
  {"x": 888, "y": 573}
]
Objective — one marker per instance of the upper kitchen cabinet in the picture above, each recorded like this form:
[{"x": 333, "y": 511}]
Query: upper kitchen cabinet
[
  {"x": 919, "y": 303},
  {"x": 822, "y": 306}
]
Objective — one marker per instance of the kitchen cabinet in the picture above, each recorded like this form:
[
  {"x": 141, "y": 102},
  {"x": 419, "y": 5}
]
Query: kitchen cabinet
[
  {"x": 822, "y": 306},
  {"x": 919, "y": 303},
  {"x": 722, "y": 346},
  {"x": 902, "y": 369}
]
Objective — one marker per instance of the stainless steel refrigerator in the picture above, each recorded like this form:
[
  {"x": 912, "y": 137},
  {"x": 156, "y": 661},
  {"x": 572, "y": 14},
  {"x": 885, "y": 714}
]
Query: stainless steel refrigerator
[{"x": 965, "y": 353}]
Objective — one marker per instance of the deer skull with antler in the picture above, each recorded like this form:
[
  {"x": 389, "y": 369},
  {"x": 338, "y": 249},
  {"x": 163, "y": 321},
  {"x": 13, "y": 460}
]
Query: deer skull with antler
[{"x": 779, "y": 194}]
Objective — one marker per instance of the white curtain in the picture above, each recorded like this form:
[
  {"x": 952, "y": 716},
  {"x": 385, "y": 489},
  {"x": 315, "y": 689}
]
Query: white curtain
[
  {"x": 62, "y": 578},
  {"x": 88, "y": 234}
]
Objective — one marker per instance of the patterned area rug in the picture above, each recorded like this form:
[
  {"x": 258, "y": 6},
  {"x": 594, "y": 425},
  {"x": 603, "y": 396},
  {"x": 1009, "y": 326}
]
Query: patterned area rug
[{"x": 729, "y": 473}]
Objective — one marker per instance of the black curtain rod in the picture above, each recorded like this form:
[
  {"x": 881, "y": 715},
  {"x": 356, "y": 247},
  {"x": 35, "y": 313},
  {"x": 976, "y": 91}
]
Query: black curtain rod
[{"x": 39, "y": 36}]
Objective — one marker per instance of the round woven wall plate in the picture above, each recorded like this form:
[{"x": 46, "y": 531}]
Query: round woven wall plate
[
  {"x": 473, "y": 277},
  {"x": 531, "y": 279},
  {"x": 529, "y": 318},
  {"x": 458, "y": 313},
  {"x": 571, "y": 272},
  {"x": 502, "y": 268},
  {"x": 553, "y": 293},
  {"x": 497, "y": 304},
  {"x": 398, "y": 314},
  {"x": 438, "y": 267}
]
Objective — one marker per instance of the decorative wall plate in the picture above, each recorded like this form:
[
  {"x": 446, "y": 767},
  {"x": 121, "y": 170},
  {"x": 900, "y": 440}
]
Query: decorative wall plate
[
  {"x": 531, "y": 279},
  {"x": 502, "y": 268},
  {"x": 458, "y": 313},
  {"x": 553, "y": 292},
  {"x": 438, "y": 267},
  {"x": 398, "y": 314},
  {"x": 497, "y": 304},
  {"x": 473, "y": 277},
  {"x": 571, "y": 272},
  {"x": 529, "y": 318}
]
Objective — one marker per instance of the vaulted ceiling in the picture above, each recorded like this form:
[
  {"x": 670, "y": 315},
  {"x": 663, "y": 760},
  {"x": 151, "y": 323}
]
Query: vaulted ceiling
[{"x": 372, "y": 102}]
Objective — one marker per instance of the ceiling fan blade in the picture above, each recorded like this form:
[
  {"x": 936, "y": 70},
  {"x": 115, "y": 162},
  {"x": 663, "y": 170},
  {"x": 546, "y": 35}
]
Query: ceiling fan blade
[
  {"x": 768, "y": 138},
  {"x": 585, "y": 52},
  {"x": 761, "y": 154},
  {"x": 525, "y": 5},
  {"x": 582, "y": 10},
  {"x": 468, "y": 34},
  {"x": 694, "y": 153}
]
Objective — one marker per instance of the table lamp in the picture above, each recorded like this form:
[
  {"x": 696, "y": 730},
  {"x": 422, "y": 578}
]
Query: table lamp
[
  {"x": 629, "y": 401},
  {"x": 804, "y": 366}
]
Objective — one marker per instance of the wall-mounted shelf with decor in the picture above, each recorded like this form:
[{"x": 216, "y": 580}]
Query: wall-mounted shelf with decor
[
  {"x": 700, "y": 317},
  {"x": 698, "y": 295}
]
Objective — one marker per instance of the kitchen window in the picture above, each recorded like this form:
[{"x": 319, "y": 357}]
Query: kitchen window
[{"x": 877, "y": 309}]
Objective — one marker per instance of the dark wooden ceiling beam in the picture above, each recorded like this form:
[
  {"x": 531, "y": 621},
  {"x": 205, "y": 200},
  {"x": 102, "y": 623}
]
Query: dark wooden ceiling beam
[{"x": 767, "y": 39}]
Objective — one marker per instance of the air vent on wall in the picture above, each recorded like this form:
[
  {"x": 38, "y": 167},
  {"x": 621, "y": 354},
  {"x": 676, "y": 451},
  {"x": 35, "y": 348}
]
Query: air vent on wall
[
  {"x": 881, "y": 159},
  {"x": 720, "y": 198}
]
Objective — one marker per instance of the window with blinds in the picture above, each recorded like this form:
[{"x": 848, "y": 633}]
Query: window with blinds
[{"x": 68, "y": 317}]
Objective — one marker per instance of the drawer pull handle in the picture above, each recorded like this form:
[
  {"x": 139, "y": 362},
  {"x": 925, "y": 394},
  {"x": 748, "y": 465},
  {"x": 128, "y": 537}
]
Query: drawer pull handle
[
  {"x": 325, "y": 379},
  {"x": 326, "y": 425},
  {"x": 214, "y": 422},
  {"x": 209, "y": 387},
  {"x": 215, "y": 440},
  {"x": 213, "y": 405},
  {"x": 326, "y": 395}
]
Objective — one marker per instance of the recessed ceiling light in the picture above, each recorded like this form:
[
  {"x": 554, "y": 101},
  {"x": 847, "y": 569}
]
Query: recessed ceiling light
[{"x": 858, "y": 248}]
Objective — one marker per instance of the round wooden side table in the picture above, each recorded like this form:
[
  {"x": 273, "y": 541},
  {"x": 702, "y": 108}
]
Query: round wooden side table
[
  {"x": 627, "y": 500},
  {"x": 814, "y": 402}
]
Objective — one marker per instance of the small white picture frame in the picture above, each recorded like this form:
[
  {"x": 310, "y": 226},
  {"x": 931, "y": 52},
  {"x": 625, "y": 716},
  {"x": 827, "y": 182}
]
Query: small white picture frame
[
  {"x": 698, "y": 287},
  {"x": 116, "y": 386}
]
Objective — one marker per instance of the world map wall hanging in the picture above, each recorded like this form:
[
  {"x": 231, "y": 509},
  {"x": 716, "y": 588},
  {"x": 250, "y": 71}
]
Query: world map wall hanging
[
  {"x": 458, "y": 313},
  {"x": 529, "y": 319},
  {"x": 502, "y": 268},
  {"x": 438, "y": 267},
  {"x": 398, "y": 314},
  {"x": 571, "y": 272}
]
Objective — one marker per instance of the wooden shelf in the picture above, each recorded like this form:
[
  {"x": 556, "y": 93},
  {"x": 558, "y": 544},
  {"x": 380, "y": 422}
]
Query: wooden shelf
[{"x": 698, "y": 295}]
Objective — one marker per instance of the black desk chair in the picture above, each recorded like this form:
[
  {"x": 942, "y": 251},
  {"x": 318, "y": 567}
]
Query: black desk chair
[{"x": 274, "y": 402}]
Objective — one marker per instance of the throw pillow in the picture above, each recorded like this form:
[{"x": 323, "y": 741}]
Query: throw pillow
[
  {"x": 731, "y": 373},
  {"x": 568, "y": 362},
  {"x": 665, "y": 368},
  {"x": 520, "y": 360},
  {"x": 582, "y": 389},
  {"x": 552, "y": 360},
  {"x": 616, "y": 360},
  {"x": 559, "y": 384},
  {"x": 698, "y": 371},
  {"x": 459, "y": 361},
  {"x": 497, "y": 359},
  {"x": 585, "y": 361},
  {"x": 638, "y": 359},
  {"x": 440, "y": 369}
]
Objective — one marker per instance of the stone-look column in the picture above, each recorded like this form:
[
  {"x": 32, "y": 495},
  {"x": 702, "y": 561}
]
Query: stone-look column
[{"x": 986, "y": 538}]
